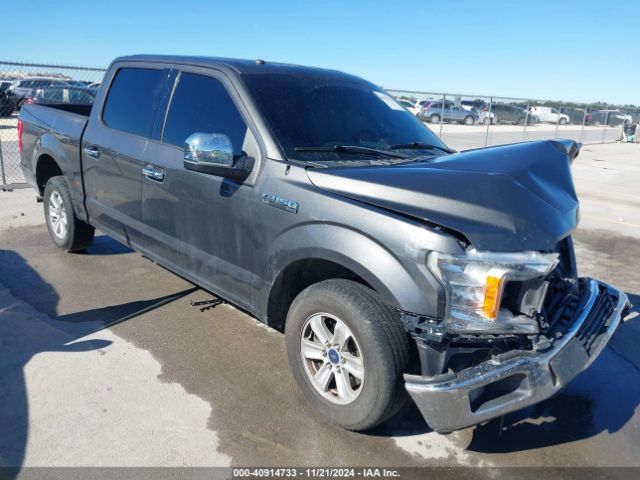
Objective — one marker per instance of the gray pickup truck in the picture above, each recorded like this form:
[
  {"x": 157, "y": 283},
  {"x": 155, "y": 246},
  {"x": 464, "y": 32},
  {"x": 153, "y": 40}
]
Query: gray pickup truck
[{"x": 396, "y": 267}]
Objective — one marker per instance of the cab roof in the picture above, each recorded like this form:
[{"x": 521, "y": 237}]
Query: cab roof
[{"x": 239, "y": 66}]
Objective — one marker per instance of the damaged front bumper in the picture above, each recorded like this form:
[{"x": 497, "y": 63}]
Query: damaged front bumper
[{"x": 517, "y": 379}]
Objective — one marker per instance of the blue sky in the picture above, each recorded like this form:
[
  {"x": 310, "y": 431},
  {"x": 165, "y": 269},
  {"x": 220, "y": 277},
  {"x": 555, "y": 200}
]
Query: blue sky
[{"x": 569, "y": 50}]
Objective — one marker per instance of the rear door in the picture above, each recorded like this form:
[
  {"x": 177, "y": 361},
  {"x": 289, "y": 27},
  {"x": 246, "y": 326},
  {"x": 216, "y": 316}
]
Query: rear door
[
  {"x": 201, "y": 225},
  {"x": 456, "y": 113},
  {"x": 113, "y": 147}
]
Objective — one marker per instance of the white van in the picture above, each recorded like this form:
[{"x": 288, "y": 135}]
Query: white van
[{"x": 550, "y": 115}]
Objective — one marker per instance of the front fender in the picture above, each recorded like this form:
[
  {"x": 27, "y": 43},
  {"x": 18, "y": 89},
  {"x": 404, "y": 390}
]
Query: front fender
[{"x": 361, "y": 254}]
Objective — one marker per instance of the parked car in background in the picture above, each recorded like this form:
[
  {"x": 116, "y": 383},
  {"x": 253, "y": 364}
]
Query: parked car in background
[
  {"x": 484, "y": 115},
  {"x": 504, "y": 113},
  {"x": 6, "y": 104},
  {"x": 549, "y": 115},
  {"x": 612, "y": 118},
  {"x": 576, "y": 115},
  {"x": 20, "y": 89},
  {"x": 58, "y": 95},
  {"x": 477, "y": 104},
  {"x": 406, "y": 104},
  {"x": 5, "y": 84},
  {"x": 481, "y": 108},
  {"x": 418, "y": 106},
  {"x": 77, "y": 83},
  {"x": 435, "y": 113}
]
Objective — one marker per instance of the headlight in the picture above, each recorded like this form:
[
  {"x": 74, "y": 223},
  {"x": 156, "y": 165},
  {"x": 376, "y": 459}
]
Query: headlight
[{"x": 474, "y": 284}]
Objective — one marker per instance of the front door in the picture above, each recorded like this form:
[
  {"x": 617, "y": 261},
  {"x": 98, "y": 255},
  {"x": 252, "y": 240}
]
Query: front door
[{"x": 201, "y": 225}]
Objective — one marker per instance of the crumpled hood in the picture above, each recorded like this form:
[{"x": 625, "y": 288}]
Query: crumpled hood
[{"x": 505, "y": 198}]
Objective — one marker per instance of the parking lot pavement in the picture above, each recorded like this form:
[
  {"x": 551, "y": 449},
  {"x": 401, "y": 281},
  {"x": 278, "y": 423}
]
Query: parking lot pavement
[
  {"x": 464, "y": 137},
  {"x": 166, "y": 384}
]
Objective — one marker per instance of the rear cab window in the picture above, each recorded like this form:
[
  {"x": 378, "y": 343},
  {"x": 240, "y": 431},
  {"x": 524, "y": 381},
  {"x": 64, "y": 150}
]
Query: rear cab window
[{"x": 132, "y": 100}]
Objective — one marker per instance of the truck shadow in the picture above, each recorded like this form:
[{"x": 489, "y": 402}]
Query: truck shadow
[
  {"x": 602, "y": 399},
  {"x": 104, "y": 245},
  {"x": 26, "y": 332}
]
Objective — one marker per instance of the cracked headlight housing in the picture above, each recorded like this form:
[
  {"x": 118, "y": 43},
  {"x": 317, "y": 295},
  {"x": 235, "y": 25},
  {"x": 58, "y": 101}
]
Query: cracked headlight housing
[{"x": 474, "y": 283}]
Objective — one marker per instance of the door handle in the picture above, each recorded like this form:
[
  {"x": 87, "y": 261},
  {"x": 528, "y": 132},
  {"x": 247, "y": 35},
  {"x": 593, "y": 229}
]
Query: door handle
[
  {"x": 152, "y": 172},
  {"x": 92, "y": 151}
]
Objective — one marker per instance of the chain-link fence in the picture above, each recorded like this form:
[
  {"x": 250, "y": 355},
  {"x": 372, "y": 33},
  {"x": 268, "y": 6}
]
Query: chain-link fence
[
  {"x": 29, "y": 82},
  {"x": 462, "y": 121},
  {"x": 473, "y": 121}
]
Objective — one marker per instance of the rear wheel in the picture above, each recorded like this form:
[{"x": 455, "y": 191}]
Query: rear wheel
[
  {"x": 66, "y": 230},
  {"x": 435, "y": 118},
  {"x": 347, "y": 351}
]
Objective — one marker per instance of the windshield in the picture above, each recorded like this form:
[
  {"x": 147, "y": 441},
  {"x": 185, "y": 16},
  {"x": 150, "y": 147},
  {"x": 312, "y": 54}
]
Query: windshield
[{"x": 330, "y": 110}]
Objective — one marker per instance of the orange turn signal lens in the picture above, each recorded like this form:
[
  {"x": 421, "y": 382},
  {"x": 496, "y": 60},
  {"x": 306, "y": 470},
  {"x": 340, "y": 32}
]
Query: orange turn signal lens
[{"x": 492, "y": 296}]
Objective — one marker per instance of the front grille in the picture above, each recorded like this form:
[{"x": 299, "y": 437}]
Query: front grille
[
  {"x": 593, "y": 327},
  {"x": 562, "y": 297},
  {"x": 597, "y": 322}
]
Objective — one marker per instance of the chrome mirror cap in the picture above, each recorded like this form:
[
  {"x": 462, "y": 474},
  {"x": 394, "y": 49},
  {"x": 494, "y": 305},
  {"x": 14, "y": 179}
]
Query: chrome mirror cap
[{"x": 209, "y": 148}]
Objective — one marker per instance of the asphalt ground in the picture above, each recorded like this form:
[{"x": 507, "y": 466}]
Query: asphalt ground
[{"x": 103, "y": 362}]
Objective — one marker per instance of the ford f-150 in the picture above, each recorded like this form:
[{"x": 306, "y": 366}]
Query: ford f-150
[{"x": 396, "y": 267}]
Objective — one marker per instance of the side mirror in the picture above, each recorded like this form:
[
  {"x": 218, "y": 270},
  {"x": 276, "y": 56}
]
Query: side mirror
[{"x": 212, "y": 153}]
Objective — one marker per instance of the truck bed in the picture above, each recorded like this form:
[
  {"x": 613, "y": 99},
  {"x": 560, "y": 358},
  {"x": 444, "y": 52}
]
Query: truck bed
[
  {"x": 79, "y": 109},
  {"x": 57, "y": 129}
]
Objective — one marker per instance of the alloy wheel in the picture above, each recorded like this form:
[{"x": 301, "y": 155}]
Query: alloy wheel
[
  {"x": 57, "y": 215},
  {"x": 332, "y": 358}
]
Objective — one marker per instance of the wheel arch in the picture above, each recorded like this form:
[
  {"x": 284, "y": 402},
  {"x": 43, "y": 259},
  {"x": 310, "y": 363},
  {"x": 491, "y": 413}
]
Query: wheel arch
[
  {"x": 50, "y": 158},
  {"x": 46, "y": 167},
  {"x": 335, "y": 252},
  {"x": 297, "y": 276}
]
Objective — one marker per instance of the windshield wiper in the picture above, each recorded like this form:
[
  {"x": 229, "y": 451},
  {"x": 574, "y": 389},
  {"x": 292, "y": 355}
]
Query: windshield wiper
[
  {"x": 418, "y": 146},
  {"x": 351, "y": 149}
]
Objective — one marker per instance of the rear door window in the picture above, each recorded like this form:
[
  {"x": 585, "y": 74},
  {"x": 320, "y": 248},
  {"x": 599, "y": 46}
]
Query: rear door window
[
  {"x": 132, "y": 100},
  {"x": 202, "y": 104}
]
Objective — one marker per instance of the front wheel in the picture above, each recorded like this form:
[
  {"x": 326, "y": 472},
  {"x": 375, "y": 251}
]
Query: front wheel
[
  {"x": 563, "y": 121},
  {"x": 435, "y": 118},
  {"x": 347, "y": 351},
  {"x": 469, "y": 120},
  {"x": 66, "y": 230}
]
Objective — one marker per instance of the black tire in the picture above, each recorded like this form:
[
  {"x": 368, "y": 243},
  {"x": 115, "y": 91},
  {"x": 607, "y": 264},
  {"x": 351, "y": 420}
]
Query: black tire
[
  {"x": 78, "y": 234},
  {"x": 468, "y": 120},
  {"x": 382, "y": 340},
  {"x": 435, "y": 118},
  {"x": 562, "y": 121}
]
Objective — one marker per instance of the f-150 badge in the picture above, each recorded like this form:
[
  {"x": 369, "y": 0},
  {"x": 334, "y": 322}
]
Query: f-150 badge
[{"x": 290, "y": 206}]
